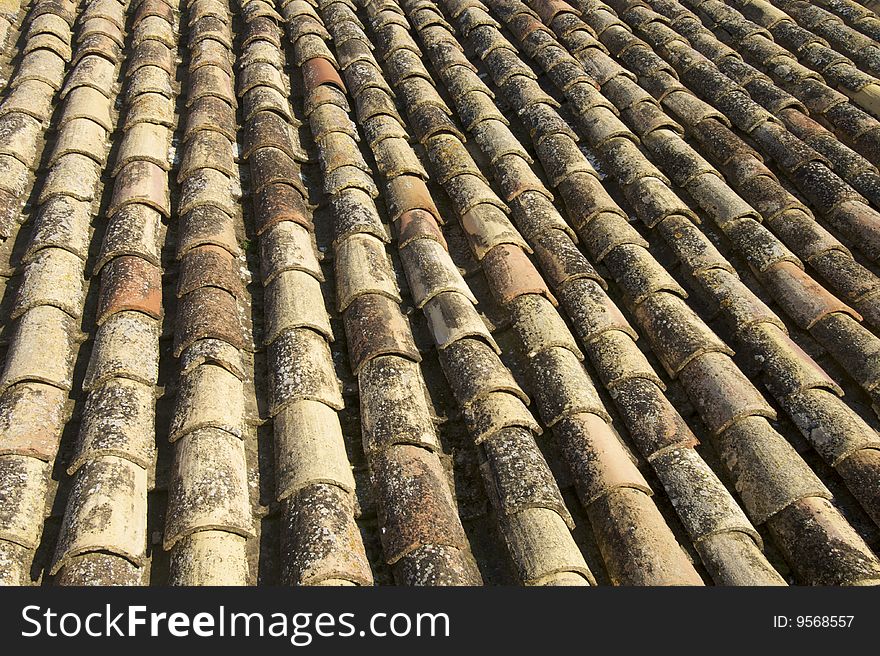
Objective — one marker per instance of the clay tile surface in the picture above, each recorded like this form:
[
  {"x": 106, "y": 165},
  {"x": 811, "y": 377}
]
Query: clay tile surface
[
  {"x": 318, "y": 71},
  {"x": 130, "y": 283},
  {"x": 508, "y": 292}
]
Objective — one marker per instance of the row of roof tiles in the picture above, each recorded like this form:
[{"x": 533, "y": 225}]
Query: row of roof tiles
[{"x": 239, "y": 238}]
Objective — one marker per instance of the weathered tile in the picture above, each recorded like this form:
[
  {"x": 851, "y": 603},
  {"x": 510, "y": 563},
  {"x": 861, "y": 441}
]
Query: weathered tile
[
  {"x": 268, "y": 165},
  {"x": 106, "y": 511},
  {"x": 355, "y": 212},
  {"x": 311, "y": 448},
  {"x": 144, "y": 141},
  {"x": 72, "y": 175},
  {"x": 82, "y": 136},
  {"x": 474, "y": 370},
  {"x": 151, "y": 108},
  {"x": 487, "y": 416},
  {"x": 395, "y": 157},
  {"x": 42, "y": 348},
  {"x": 94, "y": 72},
  {"x": 303, "y": 369},
  {"x": 130, "y": 283},
  {"x": 278, "y": 201},
  {"x": 339, "y": 149},
  {"x": 363, "y": 268},
  {"x": 214, "y": 352},
  {"x": 677, "y": 335},
  {"x": 24, "y": 487},
  {"x": 418, "y": 224},
  {"x": 322, "y": 540},
  {"x": 207, "y": 188},
  {"x": 452, "y": 316},
  {"x": 268, "y": 129},
  {"x": 15, "y": 178},
  {"x": 205, "y": 225},
  {"x": 144, "y": 183},
  {"x": 511, "y": 274},
  {"x": 46, "y": 66},
  {"x": 210, "y": 52},
  {"x": 126, "y": 346},
  {"x": 151, "y": 53},
  {"x": 415, "y": 504},
  {"x": 375, "y": 326},
  {"x": 62, "y": 223},
  {"x": 209, "y": 113},
  {"x": 467, "y": 191},
  {"x": 18, "y": 136},
  {"x": 208, "y": 487},
  {"x": 431, "y": 271},
  {"x": 209, "y": 266},
  {"x": 322, "y": 95},
  {"x": 685, "y": 471},
  {"x": 16, "y": 564},
  {"x": 53, "y": 277},
  {"x": 521, "y": 475},
  {"x": 31, "y": 420},
  {"x": 209, "y": 557},
  {"x": 117, "y": 421},
  {"x": 133, "y": 230},
  {"x": 207, "y": 313},
  {"x": 293, "y": 300},
  {"x": 31, "y": 97},
  {"x": 406, "y": 193},
  {"x": 486, "y": 227},
  {"x": 287, "y": 246},
  {"x": 208, "y": 397}
]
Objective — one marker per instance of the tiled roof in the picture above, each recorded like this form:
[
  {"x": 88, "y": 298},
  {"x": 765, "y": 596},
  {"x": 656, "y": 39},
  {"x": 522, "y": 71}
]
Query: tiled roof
[{"x": 440, "y": 292}]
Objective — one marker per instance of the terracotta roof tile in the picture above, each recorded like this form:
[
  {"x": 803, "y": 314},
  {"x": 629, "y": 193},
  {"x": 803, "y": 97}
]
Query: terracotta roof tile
[
  {"x": 425, "y": 246},
  {"x": 130, "y": 283}
]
